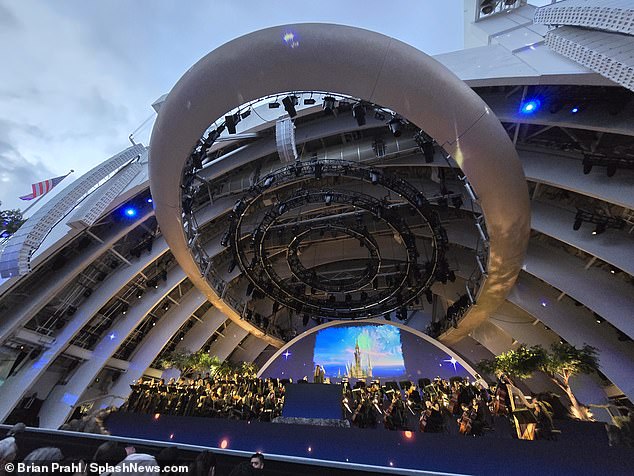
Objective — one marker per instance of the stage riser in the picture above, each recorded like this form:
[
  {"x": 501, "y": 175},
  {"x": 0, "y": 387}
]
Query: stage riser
[{"x": 431, "y": 452}]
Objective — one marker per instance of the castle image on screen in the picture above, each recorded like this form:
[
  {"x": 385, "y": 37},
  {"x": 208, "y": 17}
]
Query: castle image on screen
[{"x": 355, "y": 351}]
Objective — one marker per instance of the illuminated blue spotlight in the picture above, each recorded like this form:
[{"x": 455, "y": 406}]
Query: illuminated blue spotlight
[
  {"x": 130, "y": 212},
  {"x": 529, "y": 107},
  {"x": 574, "y": 110},
  {"x": 149, "y": 200}
]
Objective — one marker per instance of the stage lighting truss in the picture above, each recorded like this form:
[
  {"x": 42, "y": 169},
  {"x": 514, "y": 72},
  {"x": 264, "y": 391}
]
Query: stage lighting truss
[
  {"x": 345, "y": 298},
  {"x": 305, "y": 290}
]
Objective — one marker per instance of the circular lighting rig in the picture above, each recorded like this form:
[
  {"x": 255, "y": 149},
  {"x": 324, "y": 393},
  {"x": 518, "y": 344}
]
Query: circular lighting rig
[{"x": 292, "y": 209}]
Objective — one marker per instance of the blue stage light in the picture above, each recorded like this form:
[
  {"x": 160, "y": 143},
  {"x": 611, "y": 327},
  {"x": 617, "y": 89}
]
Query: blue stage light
[
  {"x": 530, "y": 106},
  {"x": 574, "y": 110},
  {"x": 149, "y": 200},
  {"x": 130, "y": 212}
]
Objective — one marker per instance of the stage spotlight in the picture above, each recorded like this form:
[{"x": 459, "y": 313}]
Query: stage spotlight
[
  {"x": 611, "y": 170},
  {"x": 149, "y": 200},
  {"x": 358, "y": 112},
  {"x": 274, "y": 104},
  {"x": 577, "y": 224},
  {"x": 289, "y": 105},
  {"x": 268, "y": 181},
  {"x": 166, "y": 306},
  {"x": 555, "y": 106},
  {"x": 598, "y": 318},
  {"x": 587, "y": 168},
  {"x": 530, "y": 106},
  {"x": 281, "y": 210},
  {"x": 124, "y": 309},
  {"x": 374, "y": 177},
  {"x": 575, "y": 109},
  {"x": 309, "y": 101},
  {"x": 225, "y": 238},
  {"x": 130, "y": 212},
  {"x": 329, "y": 104},
  {"x": 230, "y": 122},
  {"x": 395, "y": 127},
  {"x": 600, "y": 228},
  {"x": 328, "y": 199},
  {"x": 487, "y": 6},
  {"x": 245, "y": 114}
]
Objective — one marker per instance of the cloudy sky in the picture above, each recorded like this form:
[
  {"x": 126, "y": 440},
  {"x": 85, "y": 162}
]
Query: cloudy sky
[{"x": 79, "y": 76}]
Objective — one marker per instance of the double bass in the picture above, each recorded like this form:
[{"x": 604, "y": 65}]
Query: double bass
[{"x": 466, "y": 421}]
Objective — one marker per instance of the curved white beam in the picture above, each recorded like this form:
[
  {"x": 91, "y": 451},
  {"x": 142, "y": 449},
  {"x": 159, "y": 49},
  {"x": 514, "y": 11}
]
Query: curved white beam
[
  {"x": 16, "y": 386},
  {"x": 64, "y": 276},
  {"x": 155, "y": 340},
  {"x": 361, "y": 64},
  {"x": 578, "y": 326},
  {"x": 62, "y": 398}
]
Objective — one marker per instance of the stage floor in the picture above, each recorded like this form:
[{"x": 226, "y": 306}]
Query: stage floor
[{"x": 387, "y": 449}]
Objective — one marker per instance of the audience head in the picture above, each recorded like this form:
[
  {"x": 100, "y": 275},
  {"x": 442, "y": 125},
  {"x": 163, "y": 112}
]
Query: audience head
[
  {"x": 257, "y": 461},
  {"x": 204, "y": 465},
  {"x": 167, "y": 457},
  {"x": 8, "y": 450},
  {"x": 44, "y": 457},
  {"x": 17, "y": 428},
  {"x": 109, "y": 453}
]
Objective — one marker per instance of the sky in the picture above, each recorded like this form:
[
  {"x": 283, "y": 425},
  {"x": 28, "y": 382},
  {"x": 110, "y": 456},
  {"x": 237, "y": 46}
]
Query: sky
[{"x": 78, "y": 76}]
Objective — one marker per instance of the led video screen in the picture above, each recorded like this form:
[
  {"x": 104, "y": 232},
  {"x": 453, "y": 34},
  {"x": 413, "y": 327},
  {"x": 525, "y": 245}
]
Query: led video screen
[
  {"x": 360, "y": 351},
  {"x": 364, "y": 351}
]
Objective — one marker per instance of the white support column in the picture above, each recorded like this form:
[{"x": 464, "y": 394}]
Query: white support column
[
  {"x": 63, "y": 397},
  {"x": 14, "y": 388},
  {"x": 228, "y": 341},
  {"x": 62, "y": 278},
  {"x": 154, "y": 342},
  {"x": 202, "y": 331},
  {"x": 578, "y": 326},
  {"x": 249, "y": 350}
]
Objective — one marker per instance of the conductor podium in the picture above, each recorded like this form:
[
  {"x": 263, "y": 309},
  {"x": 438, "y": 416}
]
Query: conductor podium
[{"x": 312, "y": 400}]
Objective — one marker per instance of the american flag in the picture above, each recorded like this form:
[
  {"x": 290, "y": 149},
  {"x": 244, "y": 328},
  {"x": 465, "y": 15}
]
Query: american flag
[{"x": 42, "y": 188}]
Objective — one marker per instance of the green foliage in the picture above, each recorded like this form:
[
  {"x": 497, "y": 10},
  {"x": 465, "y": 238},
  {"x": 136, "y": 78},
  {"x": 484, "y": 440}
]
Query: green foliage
[
  {"x": 201, "y": 362},
  {"x": 565, "y": 360},
  {"x": 519, "y": 363},
  {"x": 562, "y": 361},
  {"x": 190, "y": 362},
  {"x": 10, "y": 220}
]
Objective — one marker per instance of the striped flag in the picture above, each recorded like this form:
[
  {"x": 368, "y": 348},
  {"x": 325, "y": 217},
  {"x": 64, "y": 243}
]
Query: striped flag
[{"x": 42, "y": 188}]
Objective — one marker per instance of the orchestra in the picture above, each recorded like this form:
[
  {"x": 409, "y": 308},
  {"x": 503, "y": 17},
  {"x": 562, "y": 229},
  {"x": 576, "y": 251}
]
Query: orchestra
[
  {"x": 439, "y": 406},
  {"x": 232, "y": 396}
]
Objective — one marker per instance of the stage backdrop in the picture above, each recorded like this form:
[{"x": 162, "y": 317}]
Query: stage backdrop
[{"x": 370, "y": 350}]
